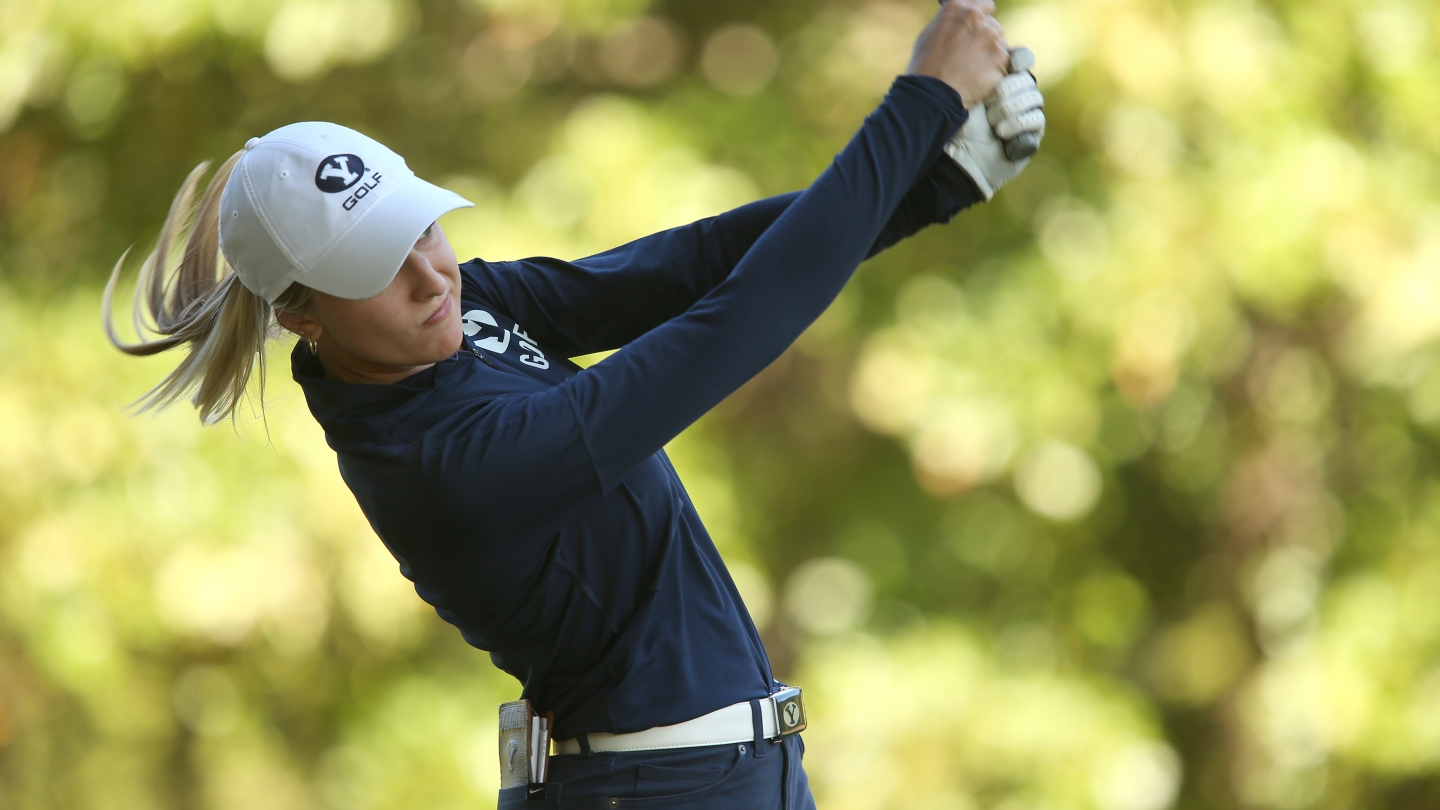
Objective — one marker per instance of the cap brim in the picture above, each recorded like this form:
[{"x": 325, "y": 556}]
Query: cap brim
[{"x": 365, "y": 260}]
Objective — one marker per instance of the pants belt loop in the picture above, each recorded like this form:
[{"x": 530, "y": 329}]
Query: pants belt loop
[
  {"x": 787, "y": 752},
  {"x": 757, "y": 719},
  {"x": 584, "y": 740}
]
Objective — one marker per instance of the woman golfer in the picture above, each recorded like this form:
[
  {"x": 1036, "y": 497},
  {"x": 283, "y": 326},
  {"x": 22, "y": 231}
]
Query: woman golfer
[{"x": 529, "y": 500}]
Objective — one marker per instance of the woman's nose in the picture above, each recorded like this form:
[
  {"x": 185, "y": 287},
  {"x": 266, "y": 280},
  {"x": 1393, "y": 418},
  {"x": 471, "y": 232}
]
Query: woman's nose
[{"x": 428, "y": 280}]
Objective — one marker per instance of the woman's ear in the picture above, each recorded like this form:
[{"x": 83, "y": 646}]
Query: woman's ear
[{"x": 306, "y": 328}]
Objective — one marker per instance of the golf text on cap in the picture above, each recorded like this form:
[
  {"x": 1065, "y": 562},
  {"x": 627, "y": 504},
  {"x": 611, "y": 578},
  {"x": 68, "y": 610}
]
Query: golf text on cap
[{"x": 339, "y": 172}]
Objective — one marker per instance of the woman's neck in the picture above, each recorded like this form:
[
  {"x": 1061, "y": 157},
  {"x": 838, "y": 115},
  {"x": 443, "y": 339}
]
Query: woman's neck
[{"x": 353, "y": 370}]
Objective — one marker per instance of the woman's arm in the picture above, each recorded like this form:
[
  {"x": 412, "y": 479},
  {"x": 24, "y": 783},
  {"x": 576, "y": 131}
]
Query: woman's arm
[
  {"x": 571, "y": 311},
  {"x": 522, "y": 463},
  {"x": 636, "y": 400},
  {"x": 607, "y": 300}
]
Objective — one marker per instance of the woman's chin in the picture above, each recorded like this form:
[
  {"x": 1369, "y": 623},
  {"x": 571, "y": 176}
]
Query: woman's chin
[{"x": 446, "y": 343}]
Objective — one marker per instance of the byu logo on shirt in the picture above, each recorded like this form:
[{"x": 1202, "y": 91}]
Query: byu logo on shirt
[
  {"x": 475, "y": 321},
  {"x": 338, "y": 172}
]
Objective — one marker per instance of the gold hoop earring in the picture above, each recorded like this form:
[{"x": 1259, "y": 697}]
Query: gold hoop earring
[{"x": 314, "y": 346}]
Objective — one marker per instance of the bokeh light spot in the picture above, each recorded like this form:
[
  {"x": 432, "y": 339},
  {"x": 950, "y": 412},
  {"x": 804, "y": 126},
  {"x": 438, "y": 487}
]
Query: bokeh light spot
[
  {"x": 963, "y": 444},
  {"x": 1073, "y": 238},
  {"x": 739, "y": 60},
  {"x": 828, "y": 595},
  {"x": 207, "y": 701},
  {"x": 755, "y": 592},
  {"x": 643, "y": 53},
  {"x": 1140, "y": 776},
  {"x": 94, "y": 93},
  {"x": 1059, "y": 481}
]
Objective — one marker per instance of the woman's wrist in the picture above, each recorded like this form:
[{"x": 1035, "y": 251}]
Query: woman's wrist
[{"x": 938, "y": 90}]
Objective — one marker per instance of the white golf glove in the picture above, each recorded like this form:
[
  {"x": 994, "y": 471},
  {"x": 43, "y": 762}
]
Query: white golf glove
[{"x": 1016, "y": 107}]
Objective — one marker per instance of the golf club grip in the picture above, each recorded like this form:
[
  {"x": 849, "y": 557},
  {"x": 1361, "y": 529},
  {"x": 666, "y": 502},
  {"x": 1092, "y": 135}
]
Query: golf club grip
[
  {"x": 1025, "y": 144},
  {"x": 1022, "y": 146}
]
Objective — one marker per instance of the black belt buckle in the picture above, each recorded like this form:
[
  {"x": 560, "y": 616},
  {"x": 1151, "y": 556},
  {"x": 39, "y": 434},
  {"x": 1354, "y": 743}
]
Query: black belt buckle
[{"x": 789, "y": 711}]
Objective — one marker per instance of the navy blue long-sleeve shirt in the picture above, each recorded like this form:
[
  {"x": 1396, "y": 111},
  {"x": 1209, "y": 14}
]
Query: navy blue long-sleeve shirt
[{"x": 530, "y": 501}]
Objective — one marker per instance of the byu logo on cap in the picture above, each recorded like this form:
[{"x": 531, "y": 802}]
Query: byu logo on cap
[{"x": 338, "y": 172}]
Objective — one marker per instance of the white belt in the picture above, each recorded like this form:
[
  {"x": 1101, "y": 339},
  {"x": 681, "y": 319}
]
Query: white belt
[{"x": 732, "y": 724}]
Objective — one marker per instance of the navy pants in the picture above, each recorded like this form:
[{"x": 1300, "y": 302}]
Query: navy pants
[{"x": 712, "y": 777}]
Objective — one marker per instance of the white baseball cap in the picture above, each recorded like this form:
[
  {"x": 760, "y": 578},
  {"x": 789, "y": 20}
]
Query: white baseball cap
[{"x": 323, "y": 205}]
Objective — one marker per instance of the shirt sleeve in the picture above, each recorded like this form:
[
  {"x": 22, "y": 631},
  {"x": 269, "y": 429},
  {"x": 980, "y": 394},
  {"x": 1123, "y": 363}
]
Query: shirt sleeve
[
  {"x": 607, "y": 300},
  {"x": 524, "y": 463},
  {"x": 943, "y": 192}
]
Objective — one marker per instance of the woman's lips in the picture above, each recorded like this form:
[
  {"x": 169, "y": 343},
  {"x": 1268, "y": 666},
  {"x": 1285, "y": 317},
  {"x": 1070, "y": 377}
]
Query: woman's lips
[{"x": 440, "y": 312}]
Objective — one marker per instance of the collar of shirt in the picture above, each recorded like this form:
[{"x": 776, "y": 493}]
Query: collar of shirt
[{"x": 351, "y": 412}]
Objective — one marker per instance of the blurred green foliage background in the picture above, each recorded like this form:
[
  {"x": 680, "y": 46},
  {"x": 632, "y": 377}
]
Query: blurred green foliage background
[{"x": 1117, "y": 493}]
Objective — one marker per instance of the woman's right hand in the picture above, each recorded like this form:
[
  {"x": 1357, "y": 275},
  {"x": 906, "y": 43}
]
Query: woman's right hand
[{"x": 964, "y": 47}]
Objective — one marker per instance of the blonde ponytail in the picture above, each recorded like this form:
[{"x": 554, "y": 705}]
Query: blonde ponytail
[{"x": 198, "y": 300}]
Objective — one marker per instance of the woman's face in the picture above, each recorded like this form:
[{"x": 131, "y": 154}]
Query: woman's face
[{"x": 412, "y": 324}]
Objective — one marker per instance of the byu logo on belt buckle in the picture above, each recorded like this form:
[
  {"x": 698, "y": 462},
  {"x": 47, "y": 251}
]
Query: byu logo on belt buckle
[{"x": 789, "y": 711}]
